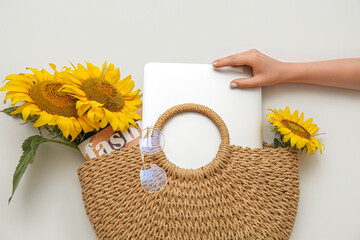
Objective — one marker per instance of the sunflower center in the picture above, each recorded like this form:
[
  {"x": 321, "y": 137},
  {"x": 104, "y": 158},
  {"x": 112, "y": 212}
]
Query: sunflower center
[
  {"x": 47, "y": 97},
  {"x": 104, "y": 92},
  {"x": 296, "y": 128}
]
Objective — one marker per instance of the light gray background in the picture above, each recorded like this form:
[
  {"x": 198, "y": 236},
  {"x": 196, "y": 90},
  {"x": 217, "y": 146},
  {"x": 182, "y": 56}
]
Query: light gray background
[{"x": 48, "y": 203}]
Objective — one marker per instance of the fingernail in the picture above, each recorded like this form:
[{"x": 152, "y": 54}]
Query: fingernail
[
  {"x": 214, "y": 63},
  {"x": 233, "y": 85}
]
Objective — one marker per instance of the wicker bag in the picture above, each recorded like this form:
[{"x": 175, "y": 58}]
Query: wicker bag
[{"x": 243, "y": 193}]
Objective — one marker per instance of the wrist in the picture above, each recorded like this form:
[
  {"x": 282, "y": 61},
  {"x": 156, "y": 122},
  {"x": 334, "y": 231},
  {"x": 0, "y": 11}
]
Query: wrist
[{"x": 289, "y": 72}]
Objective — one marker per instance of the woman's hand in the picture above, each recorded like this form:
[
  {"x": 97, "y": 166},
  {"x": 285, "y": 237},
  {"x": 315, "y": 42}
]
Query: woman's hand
[
  {"x": 266, "y": 70},
  {"x": 341, "y": 73}
]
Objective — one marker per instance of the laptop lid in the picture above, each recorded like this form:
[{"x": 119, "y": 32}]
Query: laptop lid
[{"x": 168, "y": 84}]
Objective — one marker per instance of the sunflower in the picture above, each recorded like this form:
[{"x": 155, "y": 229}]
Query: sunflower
[
  {"x": 102, "y": 96},
  {"x": 293, "y": 128},
  {"x": 40, "y": 95}
]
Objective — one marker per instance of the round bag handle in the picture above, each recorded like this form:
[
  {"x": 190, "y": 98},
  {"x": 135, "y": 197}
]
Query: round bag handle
[{"x": 193, "y": 107}]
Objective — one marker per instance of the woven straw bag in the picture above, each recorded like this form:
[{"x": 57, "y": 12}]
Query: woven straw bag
[{"x": 243, "y": 193}]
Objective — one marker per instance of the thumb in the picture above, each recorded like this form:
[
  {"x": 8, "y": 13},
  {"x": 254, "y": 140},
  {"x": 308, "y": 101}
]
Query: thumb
[{"x": 247, "y": 82}]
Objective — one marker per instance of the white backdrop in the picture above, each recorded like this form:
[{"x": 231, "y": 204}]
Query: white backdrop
[{"x": 47, "y": 204}]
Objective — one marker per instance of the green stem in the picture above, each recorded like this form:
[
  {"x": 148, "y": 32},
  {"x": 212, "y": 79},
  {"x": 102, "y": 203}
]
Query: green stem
[{"x": 73, "y": 146}]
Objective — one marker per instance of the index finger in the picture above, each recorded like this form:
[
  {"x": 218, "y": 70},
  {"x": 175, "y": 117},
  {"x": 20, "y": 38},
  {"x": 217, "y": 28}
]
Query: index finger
[{"x": 239, "y": 59}]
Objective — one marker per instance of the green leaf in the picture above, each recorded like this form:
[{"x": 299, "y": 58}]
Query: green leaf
[
  {"x": 9, "y": 110},
  {"x": 276, "y": 143},
  {"x": 282, "y": 138},
  {"x": 29, "y": 147}
]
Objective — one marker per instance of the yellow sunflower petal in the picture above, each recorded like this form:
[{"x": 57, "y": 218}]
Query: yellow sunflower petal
[
  {"x": 44, "y": 119},
  {"x": 73, "y": 90},
  {"x": 18, "y": 97},
  {"x": 282, "y": 113},
  {"x": 103, "y": 69},
  {"x": 104, "y": 122},
  {"x": 81, "y": 72},
  {"x": 300, "y": 143},
  {"x": 287, "y": 113},
  {"x": 26, "y": 110},
  {"x": 20, "y": 109},
  {"x": 301, "y": 119},
  {"x": 53, "y": 66},
  {"x": 95, "y": 104},
  {"x": 99, "y": 114},
  {"x": 131, "y": 122},
  {"x": 311, "y": 128},
  {"x": 317, "y": 144},
  {"x": 294, "y": 116},
  {"x": 110, "y": 68},
  {"x": 293, "y": 140},
  {"x": 130, "y": 106},
  {"x": 71, "y": 78},
  {"x": 287, "y": 137},
  {"x": 91, "y": 114},
  {"x": 94, "y": 71},
  {"x": 85, "y": 126},
  {"x": 82, "y": 109},
  {"x": 113, "y": 121},
  {"x": 32, "y": 78},
  {"x": 121, "y": 126},
  {"x": 80, "y": 103},
  {"x": 125, "y": 85},
  {"x": 275, "y": 111},
  {"x": 46, "y": 75},
  {"x": 311, "y": 147},
  {"x": 64, "y": 125},
  {"x": 18, "y": 87},
  {"x": 134, "y": 94},
  {"x": 284, "y": 130},
  {"x": 271, "y": 115},
  {"x": 312, "y": 132},
  {"x": 19, "y": 78},
  {"x": 132, "y": 114},
  {"x": 116, "y": 76},
  {"x": 307, "y": 123},
  {"x": 8, "y": 95},
  {"x": 77, "y": 126},
  {"x": 38, "y": 74},
  {"x": 109, "y": 76}
]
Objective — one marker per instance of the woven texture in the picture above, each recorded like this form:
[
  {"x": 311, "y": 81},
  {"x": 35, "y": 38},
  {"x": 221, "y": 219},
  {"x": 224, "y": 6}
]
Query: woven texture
[{"x": 244, "y": 193}]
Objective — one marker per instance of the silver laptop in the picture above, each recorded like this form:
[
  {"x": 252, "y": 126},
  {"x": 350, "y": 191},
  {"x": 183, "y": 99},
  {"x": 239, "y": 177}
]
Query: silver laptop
[{"x": 191, "y": 140}]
